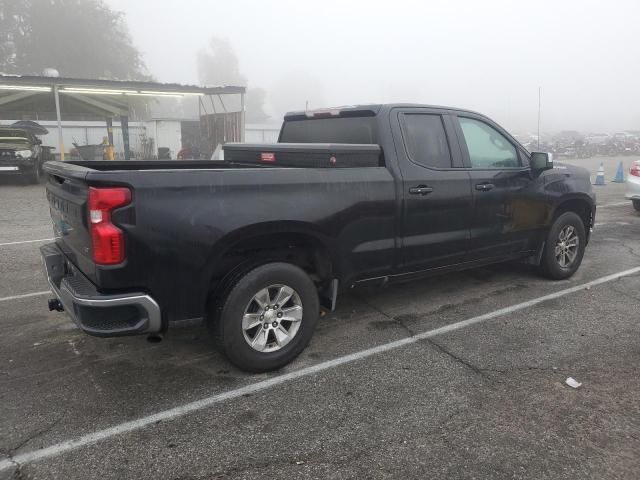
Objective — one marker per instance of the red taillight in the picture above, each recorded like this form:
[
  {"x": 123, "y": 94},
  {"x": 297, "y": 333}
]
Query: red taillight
[
  {"x": 635, "y": 170},
  {"x": 107, "y": 239}
]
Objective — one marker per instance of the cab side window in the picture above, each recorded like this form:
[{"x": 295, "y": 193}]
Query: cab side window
[
  {"x": 487, "y": 147},
  {"x": 425, "y": 140}
]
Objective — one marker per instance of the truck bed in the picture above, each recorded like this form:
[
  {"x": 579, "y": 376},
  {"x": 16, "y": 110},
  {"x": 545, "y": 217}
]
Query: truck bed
[
  {"x": 239, "y": 155},
  {"x": 204, "y": 208}
]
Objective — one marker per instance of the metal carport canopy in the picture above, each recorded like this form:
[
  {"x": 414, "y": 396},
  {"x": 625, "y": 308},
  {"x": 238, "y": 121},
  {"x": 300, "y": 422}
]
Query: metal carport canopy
[{"x": 108, "y": 96}]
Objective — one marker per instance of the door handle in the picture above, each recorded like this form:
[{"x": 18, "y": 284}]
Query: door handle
[
  {"x": 485, "y": 187},
  {"x": 420, "y": 190}
]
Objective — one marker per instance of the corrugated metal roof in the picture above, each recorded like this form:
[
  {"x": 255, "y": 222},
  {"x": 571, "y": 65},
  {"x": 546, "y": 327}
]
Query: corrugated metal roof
[{"x": 29, "y": 80}]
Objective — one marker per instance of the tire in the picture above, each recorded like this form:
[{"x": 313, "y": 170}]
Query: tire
[
  {"x": 558, "y": 266},
  {"x": 636, "y": 205},
  {"x": 33, "y": 177},
  {"x": 243, "y": 305}
]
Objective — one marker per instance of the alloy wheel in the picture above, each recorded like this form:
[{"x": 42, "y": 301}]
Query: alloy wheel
[
  {"x": 567, "y": 244},
  {"x": 272, "y": 318}
]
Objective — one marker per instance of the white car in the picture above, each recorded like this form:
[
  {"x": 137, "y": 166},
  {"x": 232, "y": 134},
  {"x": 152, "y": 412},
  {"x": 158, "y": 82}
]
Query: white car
[{"x": 633, "y": 185}]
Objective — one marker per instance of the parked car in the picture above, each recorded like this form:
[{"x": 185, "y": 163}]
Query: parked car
[
  {"x": 258, "y": 244},
  {"x": 21, "y": 151},
  {"x": 633, "y": 185}
]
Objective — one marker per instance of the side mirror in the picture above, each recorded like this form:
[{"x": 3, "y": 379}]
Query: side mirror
[{"x": 541, "y": 161}]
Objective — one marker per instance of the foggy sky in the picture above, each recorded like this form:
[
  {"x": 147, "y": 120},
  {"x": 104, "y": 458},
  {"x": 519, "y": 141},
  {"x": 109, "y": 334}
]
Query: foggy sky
[{"x": 487, "y": 55}]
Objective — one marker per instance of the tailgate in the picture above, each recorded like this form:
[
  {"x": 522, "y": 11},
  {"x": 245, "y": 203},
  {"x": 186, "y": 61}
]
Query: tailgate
[{"x": 67, "y": 194}]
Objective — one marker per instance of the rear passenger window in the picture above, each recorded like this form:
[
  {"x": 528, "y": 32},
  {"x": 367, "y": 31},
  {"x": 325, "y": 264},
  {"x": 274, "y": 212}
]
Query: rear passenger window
[
  {"x": 330, "y": 130},
  {"x": 426, "y": 140}
]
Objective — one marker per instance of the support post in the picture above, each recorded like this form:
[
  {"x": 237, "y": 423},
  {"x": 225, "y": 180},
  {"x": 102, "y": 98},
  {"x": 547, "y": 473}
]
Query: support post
[
  {"x": 124, "y": 127},
  {"x": 200, "y": 135},
  {"x": 242, "y": 115},
  {"x": 539, "y": 108},
  {"x": 109, "y": 147},
  {"x": 56, "y": 97}
]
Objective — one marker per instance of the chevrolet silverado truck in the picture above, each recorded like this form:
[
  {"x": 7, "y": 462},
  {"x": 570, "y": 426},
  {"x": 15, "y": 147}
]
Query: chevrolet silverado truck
[{"x": 258, "y": 244}]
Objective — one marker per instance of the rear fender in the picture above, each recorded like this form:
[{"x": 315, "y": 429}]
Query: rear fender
[{"x": 221, "y": 263}]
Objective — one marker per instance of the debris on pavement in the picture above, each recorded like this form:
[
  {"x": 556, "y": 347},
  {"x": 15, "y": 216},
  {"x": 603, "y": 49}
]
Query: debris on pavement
[{"x": 572, "y": 382}]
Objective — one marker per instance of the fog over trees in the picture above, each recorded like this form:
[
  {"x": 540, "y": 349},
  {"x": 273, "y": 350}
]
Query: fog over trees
[
  {"x": 490, "y": 56},
  {"x": 80, "y": 38}
]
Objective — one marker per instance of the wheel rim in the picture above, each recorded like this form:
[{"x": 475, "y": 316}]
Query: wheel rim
[
  {"x": 567, "y": 246},
  {"x": 272, "y": 318}
]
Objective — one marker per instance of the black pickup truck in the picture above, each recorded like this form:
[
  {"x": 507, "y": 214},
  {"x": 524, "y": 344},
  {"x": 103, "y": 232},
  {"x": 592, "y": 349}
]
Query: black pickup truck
[{"x": 258, "y": 244}]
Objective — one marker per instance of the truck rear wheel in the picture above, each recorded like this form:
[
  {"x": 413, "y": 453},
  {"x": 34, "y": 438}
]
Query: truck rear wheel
[
  {"x": 267, "y": 318},
  {"x": 636, "y": 205},
  {"x": 564, "y": 247}
]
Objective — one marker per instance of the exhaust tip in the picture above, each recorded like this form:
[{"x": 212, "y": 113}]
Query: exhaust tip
[{"x": 154, "y": 338}]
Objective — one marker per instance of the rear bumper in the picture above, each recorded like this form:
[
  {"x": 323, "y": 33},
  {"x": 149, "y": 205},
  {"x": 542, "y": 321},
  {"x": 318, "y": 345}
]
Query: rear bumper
[{"x": 93, "y": 312}]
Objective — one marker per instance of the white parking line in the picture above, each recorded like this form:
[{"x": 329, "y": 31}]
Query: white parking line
[
  {"x": 25, "y": 295},
  {"x": 610, "y": 223},
  {"x": 617, "y": 204},
  {"x": 27, "y": 241},
  {"x": 126, "y": 427}
]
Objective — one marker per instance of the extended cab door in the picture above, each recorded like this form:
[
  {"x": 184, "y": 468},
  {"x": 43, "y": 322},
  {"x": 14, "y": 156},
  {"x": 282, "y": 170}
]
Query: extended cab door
[
  {"x": 436, "y": 190},
  {"x": 505, "y": 209}
]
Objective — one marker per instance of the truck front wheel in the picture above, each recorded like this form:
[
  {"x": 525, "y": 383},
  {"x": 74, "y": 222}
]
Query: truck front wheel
[
  {"x": 564, "y": 247},
  {"x": 267, "y": 318}
]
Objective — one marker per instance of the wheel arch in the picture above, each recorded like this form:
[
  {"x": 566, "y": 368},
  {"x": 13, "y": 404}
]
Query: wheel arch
[
  {"x": 241, "y": 250},
  {"x": 583, "y": 206}
]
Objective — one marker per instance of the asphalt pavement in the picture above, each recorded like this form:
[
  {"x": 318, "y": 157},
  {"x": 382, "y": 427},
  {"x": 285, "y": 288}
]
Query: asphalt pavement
[{"x": 480, "y": 399}]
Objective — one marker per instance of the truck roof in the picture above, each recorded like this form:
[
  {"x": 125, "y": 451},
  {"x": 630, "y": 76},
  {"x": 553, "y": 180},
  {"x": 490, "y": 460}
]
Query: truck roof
[{"x": 365, "y": 110}]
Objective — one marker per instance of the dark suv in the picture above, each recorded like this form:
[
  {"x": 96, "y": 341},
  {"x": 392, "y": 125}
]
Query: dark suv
[{"x": 22, "y": 153}]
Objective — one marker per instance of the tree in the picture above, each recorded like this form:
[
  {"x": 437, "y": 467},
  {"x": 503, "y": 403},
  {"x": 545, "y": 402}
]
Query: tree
[
  {"x": 218, "y": 65},
  {"x": 295, "y": 91},
  {"x": 254, "y": 105},
  {"x": 12, "y": 24},
  {"x": 79, "y": 38}
]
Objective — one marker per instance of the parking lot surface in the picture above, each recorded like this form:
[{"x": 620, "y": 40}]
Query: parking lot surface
[{"x": 482, "y": 399}]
